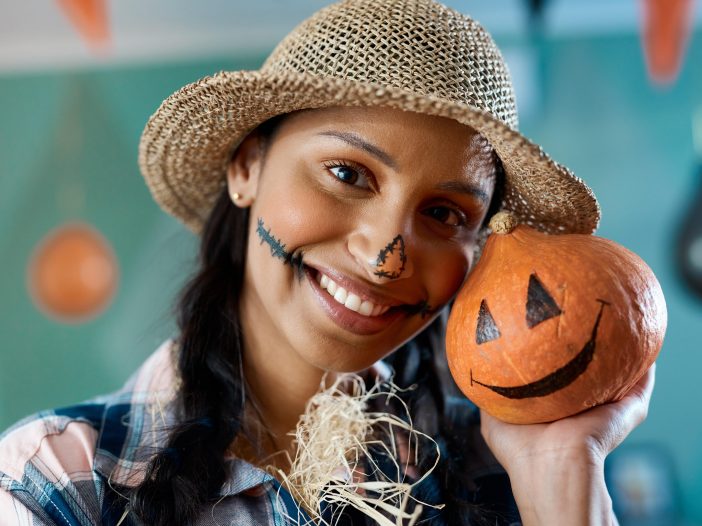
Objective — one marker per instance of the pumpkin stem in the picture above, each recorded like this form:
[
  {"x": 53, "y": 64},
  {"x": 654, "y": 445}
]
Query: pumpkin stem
[{"x": 503, "y": 222}]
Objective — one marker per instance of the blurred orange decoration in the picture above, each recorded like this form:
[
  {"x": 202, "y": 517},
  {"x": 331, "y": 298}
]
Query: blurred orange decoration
[
  {"x": 90, "y": 19},
  {"x": 73, "y": 273},
  {"x": 666, "y": 28}
]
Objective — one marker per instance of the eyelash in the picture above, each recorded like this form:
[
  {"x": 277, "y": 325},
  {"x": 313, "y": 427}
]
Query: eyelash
[
  {"x": 357, "y": 168},
  {"x": 462, "y": 219},
  {"x": 364, "y": 172}
]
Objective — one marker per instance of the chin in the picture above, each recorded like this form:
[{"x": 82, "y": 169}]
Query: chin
[{"x": 351, "y": 360}]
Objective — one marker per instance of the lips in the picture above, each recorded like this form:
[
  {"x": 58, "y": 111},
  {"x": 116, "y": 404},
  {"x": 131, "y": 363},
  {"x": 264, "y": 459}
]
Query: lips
[
  {"x": 348, "y": 299},
  {"x": 365, "y": 314}
]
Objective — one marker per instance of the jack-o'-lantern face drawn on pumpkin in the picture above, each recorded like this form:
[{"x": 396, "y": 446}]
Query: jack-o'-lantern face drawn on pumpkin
[
  {"x": 540, "y": 306},
  {"x": 546, "y": 326}
]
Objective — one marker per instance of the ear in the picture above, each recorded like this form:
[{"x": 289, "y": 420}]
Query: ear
[{"x": 244, "y": 171}]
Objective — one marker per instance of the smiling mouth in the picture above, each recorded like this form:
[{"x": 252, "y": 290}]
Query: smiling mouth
[
  {"x": 356, "y": 312},
  {"x": 348, "y": 299}
]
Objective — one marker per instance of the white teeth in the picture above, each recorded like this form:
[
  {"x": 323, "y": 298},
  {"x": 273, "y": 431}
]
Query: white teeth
[
  {"x": 379, "y": 309},
  {"x": 350, "y": 300},
  {"x": 340, "y": 295},
  {"x": 331, "y": 287},
  {"x": 366, "y": 308}
]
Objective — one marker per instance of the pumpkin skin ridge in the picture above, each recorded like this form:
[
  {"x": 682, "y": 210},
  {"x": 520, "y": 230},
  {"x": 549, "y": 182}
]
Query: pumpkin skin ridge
[{"x": 636, "y": 322}]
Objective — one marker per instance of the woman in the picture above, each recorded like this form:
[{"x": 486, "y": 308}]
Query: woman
[{"x": 342, "y": 193}]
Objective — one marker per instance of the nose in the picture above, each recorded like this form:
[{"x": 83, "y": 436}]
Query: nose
[{"x": 381, "y": 254}]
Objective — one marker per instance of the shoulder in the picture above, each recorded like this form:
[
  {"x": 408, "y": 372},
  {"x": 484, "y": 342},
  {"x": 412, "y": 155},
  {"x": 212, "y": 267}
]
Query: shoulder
[
  {"x": 47, "y": 459},
  {"x": 58, "y": 463}
]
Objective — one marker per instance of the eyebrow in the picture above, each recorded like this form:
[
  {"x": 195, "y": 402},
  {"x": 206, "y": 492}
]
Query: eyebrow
[
  {"x": 463, "y": 187},
  {"x": 359, "y": 142}
]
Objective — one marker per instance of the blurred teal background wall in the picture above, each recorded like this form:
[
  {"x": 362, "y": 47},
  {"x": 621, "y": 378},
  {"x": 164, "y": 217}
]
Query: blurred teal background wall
[{"x": 68, "y": 144}]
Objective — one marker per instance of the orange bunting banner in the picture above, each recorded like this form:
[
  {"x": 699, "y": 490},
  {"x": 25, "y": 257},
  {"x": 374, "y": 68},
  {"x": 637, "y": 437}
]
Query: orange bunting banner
[
  {"x": 666, "y": 28},
  {"x": 89, "y": 17}
]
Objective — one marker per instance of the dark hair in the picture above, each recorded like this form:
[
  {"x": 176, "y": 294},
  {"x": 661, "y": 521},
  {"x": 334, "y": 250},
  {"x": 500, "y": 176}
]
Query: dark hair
[{"x": 189, "y": 470}]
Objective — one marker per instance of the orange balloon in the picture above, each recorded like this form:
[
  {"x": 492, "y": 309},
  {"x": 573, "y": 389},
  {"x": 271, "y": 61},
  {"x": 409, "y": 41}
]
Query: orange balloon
[{"x": 73, "y": 273}]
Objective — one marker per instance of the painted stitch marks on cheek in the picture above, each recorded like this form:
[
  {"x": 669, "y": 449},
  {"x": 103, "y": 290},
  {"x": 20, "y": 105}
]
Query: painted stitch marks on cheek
[
  {"x": 390, "y": 264},
  {"x": 278, "y": 251},
  {"x": 423, "y": 309},
  {"x": 277, "y": 248},
  {"x": 295, "y": 260},
  {"x": 391, "y": 260}
]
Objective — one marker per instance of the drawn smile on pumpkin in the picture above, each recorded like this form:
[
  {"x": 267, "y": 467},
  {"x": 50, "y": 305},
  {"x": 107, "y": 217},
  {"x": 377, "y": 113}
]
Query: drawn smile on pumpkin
[{"x": 559, "y": 378}]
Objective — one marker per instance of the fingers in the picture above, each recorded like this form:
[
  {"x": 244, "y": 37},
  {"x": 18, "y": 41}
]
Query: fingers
[
  {"x": 490, "y": 429},
  {"x": 600, "y": 429},
  {"x": 629, "y": 412},
  {"x": 638, "y": 398},
  {"x": 490, "y": 426},
  {"x": 648, "y": 381}
]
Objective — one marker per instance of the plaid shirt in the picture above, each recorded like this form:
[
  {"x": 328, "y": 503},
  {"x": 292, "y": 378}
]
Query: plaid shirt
[{"x": 71, "y": 466}]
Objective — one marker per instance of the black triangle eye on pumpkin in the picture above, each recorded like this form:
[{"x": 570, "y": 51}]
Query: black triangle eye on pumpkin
[
  {"x": 540, "y": 305},
  {"x": 611, "y": 323},
  {"x": 486, "y": 329}
]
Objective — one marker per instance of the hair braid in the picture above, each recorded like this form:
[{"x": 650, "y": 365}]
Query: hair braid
[{"x": 190, "y": 469}]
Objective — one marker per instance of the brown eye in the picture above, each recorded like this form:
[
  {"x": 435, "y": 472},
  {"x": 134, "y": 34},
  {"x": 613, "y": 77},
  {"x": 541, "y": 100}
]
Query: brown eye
[{"x": 446, "y": 215}]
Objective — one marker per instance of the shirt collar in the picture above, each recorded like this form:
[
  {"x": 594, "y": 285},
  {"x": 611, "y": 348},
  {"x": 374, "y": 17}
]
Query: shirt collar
[{"x": 135, "y": 424}]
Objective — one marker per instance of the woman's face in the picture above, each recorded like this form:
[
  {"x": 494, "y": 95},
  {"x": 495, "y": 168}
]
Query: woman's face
[{"x": 381, "y": 203}]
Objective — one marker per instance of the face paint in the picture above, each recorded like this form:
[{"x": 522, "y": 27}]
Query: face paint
[
  {"x": 294, "y": 259},
  {"x": 422, "y": 308},
  {"x": 277, "y": 248},
  {"x": 391, "y": 260}
]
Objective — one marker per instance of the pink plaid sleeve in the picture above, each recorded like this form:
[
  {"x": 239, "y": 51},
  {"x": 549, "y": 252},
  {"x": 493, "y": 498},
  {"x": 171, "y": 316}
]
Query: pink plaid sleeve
[{"x": 14, "y": 513}]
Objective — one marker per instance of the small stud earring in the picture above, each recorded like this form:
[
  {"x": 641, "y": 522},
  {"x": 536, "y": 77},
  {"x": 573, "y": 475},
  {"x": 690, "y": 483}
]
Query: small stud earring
[{"x": 236, "y": 196}]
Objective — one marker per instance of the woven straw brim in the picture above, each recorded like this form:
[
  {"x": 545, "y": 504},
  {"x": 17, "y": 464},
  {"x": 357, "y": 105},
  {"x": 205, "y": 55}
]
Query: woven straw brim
[{"x": 188, "y": 143}]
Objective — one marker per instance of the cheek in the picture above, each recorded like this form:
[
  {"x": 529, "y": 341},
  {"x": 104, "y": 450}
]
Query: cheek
[
  {"x": 445, "y": 271},
  {"x": 294, "y": 205}
]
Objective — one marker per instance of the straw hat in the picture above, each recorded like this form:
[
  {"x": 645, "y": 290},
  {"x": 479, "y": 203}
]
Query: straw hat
[{"x": 415, "y": 55}]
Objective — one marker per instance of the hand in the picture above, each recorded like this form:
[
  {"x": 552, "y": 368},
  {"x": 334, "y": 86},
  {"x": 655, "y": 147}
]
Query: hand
[
  {"x": 595, "y": 432},
  {"x": 543, "y": 459}
]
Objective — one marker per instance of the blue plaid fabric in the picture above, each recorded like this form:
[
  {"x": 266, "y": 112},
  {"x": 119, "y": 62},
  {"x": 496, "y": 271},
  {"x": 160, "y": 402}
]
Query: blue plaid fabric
[{"x": 72, "y": 466}]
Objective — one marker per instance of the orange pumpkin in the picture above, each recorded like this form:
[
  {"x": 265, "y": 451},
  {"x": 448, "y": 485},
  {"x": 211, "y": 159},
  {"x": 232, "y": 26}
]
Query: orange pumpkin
[
  {"x": 73, "y": 273},
  {"x": 546, "y": 326}
]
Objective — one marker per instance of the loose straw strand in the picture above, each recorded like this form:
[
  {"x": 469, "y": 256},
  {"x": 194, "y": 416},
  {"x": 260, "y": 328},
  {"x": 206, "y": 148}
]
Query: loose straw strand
[{"x": 333, "y": 438}]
